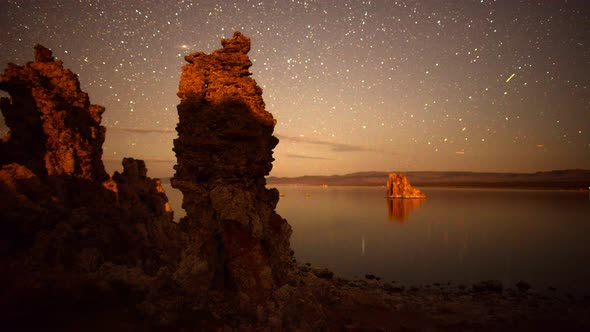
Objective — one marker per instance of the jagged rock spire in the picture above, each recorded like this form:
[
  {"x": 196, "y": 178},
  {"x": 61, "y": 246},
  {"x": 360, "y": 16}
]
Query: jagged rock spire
[
  {"x": 54, "y": 130},
  {"x": 224, "y": 150}
]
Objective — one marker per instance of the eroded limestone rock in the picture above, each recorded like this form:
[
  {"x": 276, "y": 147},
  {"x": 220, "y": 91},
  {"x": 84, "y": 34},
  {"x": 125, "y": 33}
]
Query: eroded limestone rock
[
  {"x": 54, "y": 130},
  {"x": 224, "y": 150}
]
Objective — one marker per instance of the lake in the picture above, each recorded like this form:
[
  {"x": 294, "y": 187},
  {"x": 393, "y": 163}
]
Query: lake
[{"x": 454, "y": 235}]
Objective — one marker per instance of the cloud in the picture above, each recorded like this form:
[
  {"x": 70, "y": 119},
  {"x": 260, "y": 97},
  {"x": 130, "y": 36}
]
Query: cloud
[
  {"x": 338, "y": 147},
  {"x": 161, "y": 160},
  {"x": 300, "y": 156},
  {"x": 144, "y": 130},
  {"x": 149, "y": 160}
]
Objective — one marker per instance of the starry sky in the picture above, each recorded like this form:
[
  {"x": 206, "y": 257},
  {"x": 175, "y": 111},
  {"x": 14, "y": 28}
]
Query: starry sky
[{"x": 354, "y": 85}]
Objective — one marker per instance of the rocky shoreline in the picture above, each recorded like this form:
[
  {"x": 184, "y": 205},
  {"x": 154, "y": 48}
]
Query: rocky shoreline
[{"x": 373, "y": 305}]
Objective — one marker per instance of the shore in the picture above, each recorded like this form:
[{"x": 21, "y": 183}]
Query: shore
[
  {"x": 373, "y": 305},
  {"x": 317, "y": 300}
]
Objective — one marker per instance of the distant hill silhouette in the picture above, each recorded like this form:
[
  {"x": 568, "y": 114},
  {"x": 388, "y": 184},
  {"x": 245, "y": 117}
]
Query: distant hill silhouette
[{"x": 558, "y": 179}]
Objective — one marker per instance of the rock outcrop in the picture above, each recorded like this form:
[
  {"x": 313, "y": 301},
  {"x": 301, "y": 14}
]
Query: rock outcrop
[
  {"x": 238, "y": 244},
  {"x": 54, "y": 130},
  {"x": 398, "y": 186},
  {"x": 71, "y": 237}
]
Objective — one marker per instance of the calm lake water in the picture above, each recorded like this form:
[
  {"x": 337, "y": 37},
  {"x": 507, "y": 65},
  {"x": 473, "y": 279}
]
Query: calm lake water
[{"x": 455, "y": 235}]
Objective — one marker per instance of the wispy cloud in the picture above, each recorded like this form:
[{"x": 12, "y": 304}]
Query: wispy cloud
[
  {"x": 144, "y": 130},
  {"x": 161, "y": 160},
  {"x": 154, "y": 160},
  {"x": 301, "y": 156},
  {"x": 338, "y": 147}
]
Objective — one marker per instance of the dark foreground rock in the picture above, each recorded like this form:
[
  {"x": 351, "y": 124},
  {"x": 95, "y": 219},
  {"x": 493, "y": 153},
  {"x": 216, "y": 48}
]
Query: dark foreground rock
[{"x": 73, "y": 239}]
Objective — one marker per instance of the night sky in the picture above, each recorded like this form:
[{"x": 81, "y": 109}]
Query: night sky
[{"x": 354, "y": 85}]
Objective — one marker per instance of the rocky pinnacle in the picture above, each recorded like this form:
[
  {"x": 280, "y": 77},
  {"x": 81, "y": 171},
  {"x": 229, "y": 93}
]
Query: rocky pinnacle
[{"x": 224, "y": 151}]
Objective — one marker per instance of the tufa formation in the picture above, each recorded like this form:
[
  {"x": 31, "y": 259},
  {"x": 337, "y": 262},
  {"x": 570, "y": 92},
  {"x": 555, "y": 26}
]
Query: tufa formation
[
  {"x": 398, "y": 186},
  {"x": 224, "y": 150},
  {"x": 54, "y": 130},
  {"x": 71, "y": 237}
]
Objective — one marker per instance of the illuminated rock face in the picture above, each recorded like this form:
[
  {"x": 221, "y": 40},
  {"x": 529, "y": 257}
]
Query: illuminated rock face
[
  {"x": 398, "y": 186},
  {"x": 56, "y": 138},
  {"x": 54, "y": 130},
  {"x": 224, "y": 150}
]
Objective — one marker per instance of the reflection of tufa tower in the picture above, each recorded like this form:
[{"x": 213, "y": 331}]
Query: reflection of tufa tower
[{"x": 399, "y": 209}]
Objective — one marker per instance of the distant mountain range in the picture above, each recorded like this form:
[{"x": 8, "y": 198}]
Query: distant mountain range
[{"x": 559, "y": 179}]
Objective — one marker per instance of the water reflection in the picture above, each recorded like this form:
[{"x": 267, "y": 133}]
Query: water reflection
[
  {"x": 457, "y": 235},
  {"x": 400, "y": 208}
]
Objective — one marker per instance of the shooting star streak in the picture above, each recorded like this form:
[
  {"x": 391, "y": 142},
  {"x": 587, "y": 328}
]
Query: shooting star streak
[{"x": 509, "y": 78}]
